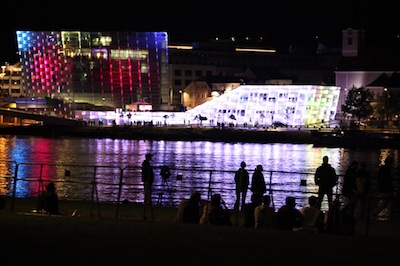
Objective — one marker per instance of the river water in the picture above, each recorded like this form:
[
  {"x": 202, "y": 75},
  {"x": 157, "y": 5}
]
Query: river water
[{"x": 202, "y": 165}]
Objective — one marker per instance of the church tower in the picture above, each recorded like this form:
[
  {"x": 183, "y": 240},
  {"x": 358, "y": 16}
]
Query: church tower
[{"x": 352, "y": 41}]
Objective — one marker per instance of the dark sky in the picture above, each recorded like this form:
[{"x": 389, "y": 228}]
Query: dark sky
[{"x": 277, "y": 21}]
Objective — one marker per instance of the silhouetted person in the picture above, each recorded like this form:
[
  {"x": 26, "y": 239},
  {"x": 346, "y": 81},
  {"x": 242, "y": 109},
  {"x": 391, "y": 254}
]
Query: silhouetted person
[
  {"x": 361, "y": 193},
  {"x": 241, "y": 185},
  {"x": 385, "y": 187},
  {"x": 264, "y": 214},
  {"x": 313, "y": 219},
  {"x": 49, "y": 200},
  {"x": 325, "y": 178},
  {"x": 258, "y": 182},
  {"x": 189, "y": 210},
  {"x": 349, "y": 186},
  {"x": 249, "y": 208},
  {"x": 215, "y": 212},
  {"x": 148, "y": 180},
  {"x": 288, "y": 217},
  {"x": 339, "y": 221}
]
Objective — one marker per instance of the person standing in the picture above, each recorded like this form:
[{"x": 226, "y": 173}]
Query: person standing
[
  {"x": 242, "y": 184},
  {"x": 362, "y": 188},
  {"x": 325, "y": 178},
  {"x": 349, "y": 186},
  {"x": 147, "y": 179},
  {"x": 258, "y": 186},
  {"x": 385, "y": 187}
]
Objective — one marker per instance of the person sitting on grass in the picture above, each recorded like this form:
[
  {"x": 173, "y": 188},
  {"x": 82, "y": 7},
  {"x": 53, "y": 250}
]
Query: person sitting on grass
[
  {"x": 215, "y": 212},
  {"x": 189, "y": 210},
  {"x": 313, "y": 218},
  {"x": 249, "y": 208},
  {"x": 48, "y": 201},
  {"x": 264, "y": 214},
  {"x": 288, "y": 217}
]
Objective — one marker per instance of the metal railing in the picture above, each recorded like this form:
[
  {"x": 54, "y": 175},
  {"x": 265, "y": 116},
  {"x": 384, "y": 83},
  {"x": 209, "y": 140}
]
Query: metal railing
[{"x": 117, "y": 184}]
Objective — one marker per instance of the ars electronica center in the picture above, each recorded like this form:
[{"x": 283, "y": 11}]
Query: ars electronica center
[
  {"x": 96, "y": 68},
  {"x": 124, "y": 70}
]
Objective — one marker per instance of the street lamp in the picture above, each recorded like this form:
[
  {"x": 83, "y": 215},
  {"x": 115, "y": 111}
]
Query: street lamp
[
  {"x": 386, "y": 106},
  {"x": 182, "y": 99},
  {"x": 105, "y": 100},
  {"x": 34, "y": 102}
]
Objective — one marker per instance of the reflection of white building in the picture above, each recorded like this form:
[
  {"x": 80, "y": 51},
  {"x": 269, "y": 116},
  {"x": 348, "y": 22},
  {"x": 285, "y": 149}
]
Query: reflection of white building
[{"x": 267, "y": 104}]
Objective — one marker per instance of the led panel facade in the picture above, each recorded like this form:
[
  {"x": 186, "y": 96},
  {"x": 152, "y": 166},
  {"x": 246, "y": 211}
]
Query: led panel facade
[
  {"x": 268, "y": 104},
  {"x": 99, "y": 68}
]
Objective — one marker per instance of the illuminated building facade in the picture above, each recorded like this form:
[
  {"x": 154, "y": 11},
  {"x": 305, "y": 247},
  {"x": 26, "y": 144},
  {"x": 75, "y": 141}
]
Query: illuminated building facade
[
  {"x": 251, "y": 105},
  {"x": 291, "y": 105},
  {"x": 88, "y": 69}
]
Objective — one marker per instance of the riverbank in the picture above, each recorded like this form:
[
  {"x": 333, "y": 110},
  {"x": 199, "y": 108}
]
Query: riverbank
[
  {"x": 163, "y": 133},
  {"x": 356, "y": 139},
  {"x": 128, "y": 240}
]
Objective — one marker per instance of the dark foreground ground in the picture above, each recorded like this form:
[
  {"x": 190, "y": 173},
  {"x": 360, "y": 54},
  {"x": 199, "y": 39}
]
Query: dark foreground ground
[{"x": 128, "y": 240}]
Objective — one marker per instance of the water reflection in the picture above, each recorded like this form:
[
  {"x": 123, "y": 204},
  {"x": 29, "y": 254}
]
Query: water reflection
[{"x": 46, "y": 159}]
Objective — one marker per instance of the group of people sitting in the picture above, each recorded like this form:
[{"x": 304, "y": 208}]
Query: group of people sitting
[
  {"x": 193, "y": 210},
  {"x": 257, "y": 214},
  {"x": 260, "y": 214}
]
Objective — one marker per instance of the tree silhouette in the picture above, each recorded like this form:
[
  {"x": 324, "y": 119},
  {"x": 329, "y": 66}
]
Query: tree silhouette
[
  {"x": 358, "y": 103},
  {"x": 386, "y": 106}
]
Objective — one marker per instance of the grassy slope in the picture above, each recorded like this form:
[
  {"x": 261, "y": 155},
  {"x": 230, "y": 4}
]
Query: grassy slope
[{"x": 128, "y": 240}]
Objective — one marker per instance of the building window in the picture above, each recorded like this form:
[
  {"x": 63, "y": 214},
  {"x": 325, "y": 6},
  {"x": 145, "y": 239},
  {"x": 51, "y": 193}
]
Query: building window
[
  {"x": 177, "y": 82},
  {"x": 188, "y": 73},
  {"x": 350, "y": 41},
  {"x": 178, "y": 72},
  {"x": 243, "y": 99}
]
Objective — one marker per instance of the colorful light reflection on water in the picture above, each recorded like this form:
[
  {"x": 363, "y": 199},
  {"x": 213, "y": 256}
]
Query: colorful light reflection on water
[{"x": 194, "y": 160}]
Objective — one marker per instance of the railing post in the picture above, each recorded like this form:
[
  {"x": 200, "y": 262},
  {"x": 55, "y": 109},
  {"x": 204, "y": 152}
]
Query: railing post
[
  {"x": 14, "y": 192},
  {"x": 270, "y": 189},
  {"x": 208, "y": 195},
  {"x": 94, "y": 191},
  {"x": 121, "y": 176}
]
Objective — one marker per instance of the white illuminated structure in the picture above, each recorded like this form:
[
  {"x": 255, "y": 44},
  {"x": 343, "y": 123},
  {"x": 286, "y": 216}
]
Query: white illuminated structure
[
  {"x": 252, "y": 105},
  {"x": 268, "y": 104}
]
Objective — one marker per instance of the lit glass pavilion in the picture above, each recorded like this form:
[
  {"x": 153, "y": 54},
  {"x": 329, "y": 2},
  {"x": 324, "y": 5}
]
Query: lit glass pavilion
[
  {"x": 261, "y": 105},
  {"x": 267, "y": 104}
]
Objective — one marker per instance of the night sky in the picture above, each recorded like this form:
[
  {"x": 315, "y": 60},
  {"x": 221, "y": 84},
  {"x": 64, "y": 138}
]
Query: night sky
[{"x": 277, "y": 21}]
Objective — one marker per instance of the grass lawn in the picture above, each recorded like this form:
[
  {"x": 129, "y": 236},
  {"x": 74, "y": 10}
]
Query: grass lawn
[{"x": 103, "y": 239}]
